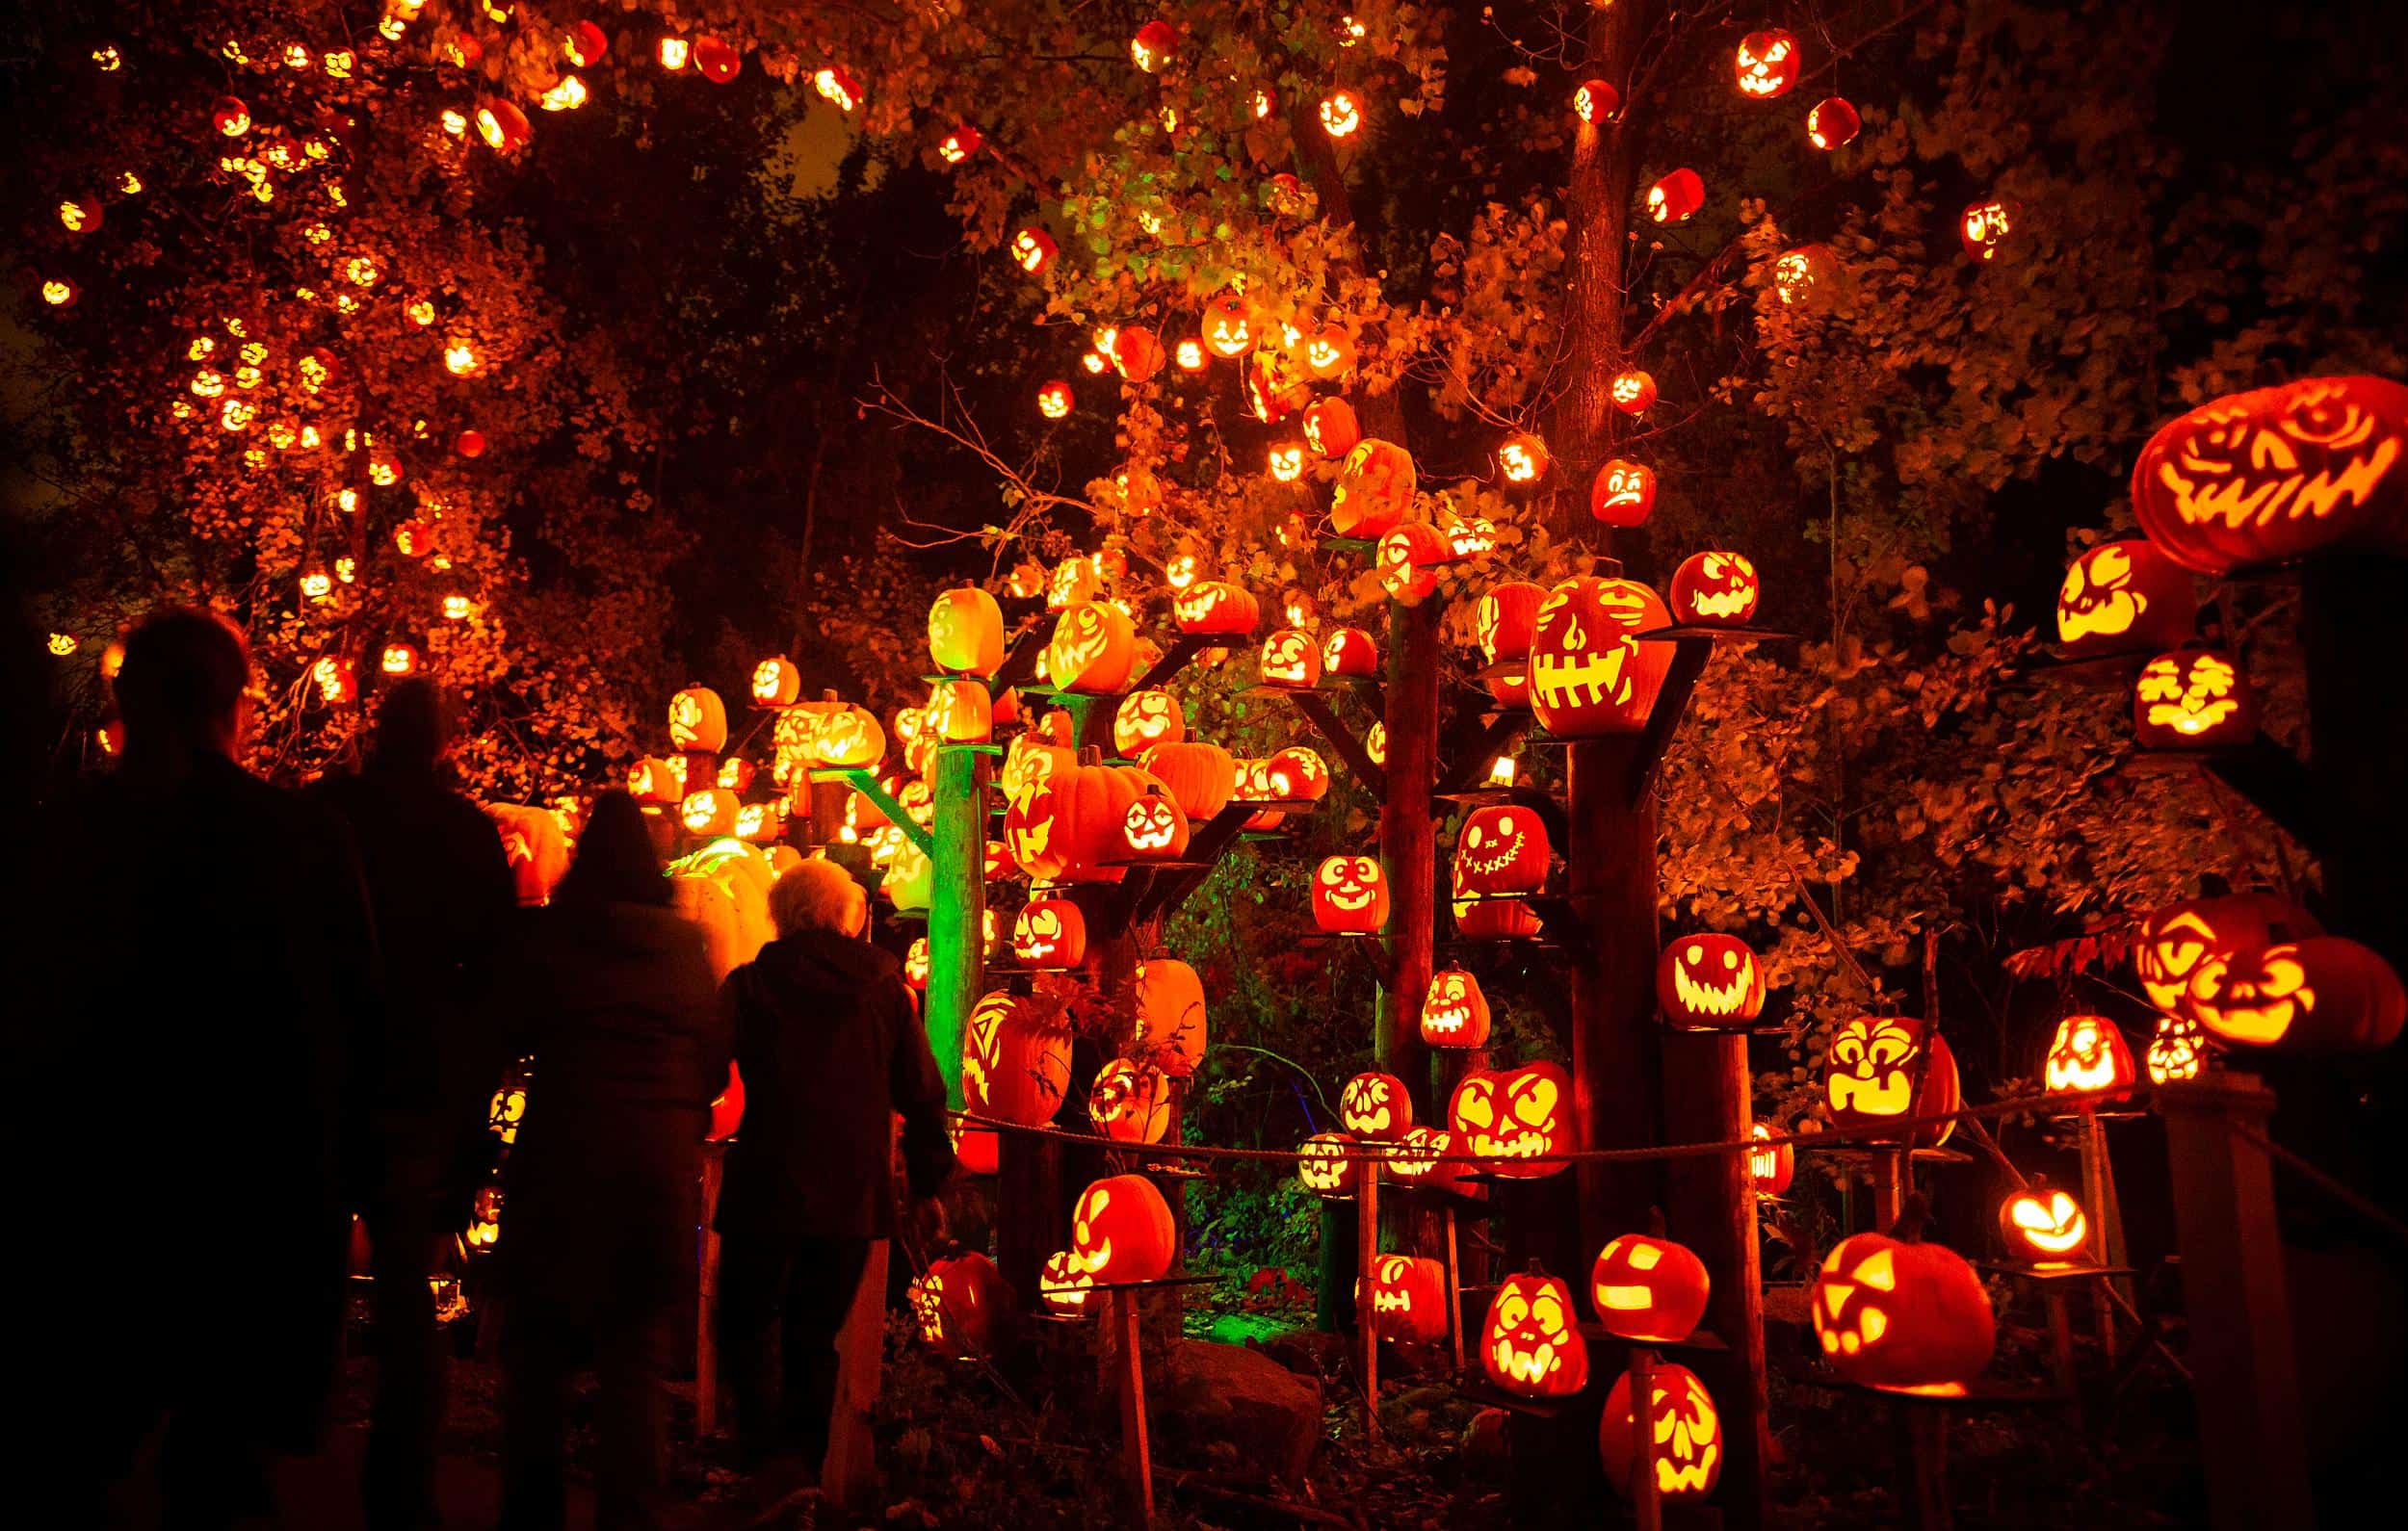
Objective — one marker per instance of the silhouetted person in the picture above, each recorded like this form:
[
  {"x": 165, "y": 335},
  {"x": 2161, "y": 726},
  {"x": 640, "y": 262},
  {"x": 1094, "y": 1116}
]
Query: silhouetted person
[
  {"x": 208, "y": 952},
  {"x": 601, "y": 1192},
  {"x": 829, "y": 1046},
  {"x": 415, "y": 1129}
]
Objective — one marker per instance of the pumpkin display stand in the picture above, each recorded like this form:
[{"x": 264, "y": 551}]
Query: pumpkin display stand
[
  {"x": 1333, "y": 730},
  {"x": 2273, "y": 780},
  {"x": 2056, "y": 1282},
  {"x": 1927, "y": 1434},
  {"x": 1888, "y": 1165}
]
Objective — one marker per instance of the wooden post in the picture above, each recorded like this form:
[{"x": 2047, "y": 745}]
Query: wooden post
[
  {"x": 1891, "y": 1180},
  {"x": 2098, "y": 1200},
  {"x": 1028, "y": 1201},
  {"x": 1928, "y": 1431},
  {"x": 1137, "y": 1466},
  {"x": 2061, "y": 1347},
  {"x": 1611, "y": 880},
  {"x": 1647, "y": 1503},
  {"x": 1455, "y": 1293},
  {"x": 956, "y": 907},
  {"x": 1366, "y": 1329},
  {"x": 850, "y": 1471},
  {"x": 706, "y": 1339},
  {"x": 1711, "y": 1206},
  {"x": 2252, "y": 1438},
  {"x": 1407, "y": 847}
]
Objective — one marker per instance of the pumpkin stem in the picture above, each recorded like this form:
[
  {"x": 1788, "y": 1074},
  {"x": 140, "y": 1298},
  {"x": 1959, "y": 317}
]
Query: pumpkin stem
[
  {"x": 1909, "y": 1227},
  {"x": 1655, "y": 1222}
]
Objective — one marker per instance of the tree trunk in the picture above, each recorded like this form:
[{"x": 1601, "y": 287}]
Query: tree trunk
[{"x": 1407, "y": 845}]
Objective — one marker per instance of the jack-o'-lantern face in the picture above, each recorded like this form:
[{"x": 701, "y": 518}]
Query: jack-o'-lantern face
[
  {"x": 1850, "y": 1296},
  {"x": 697, "y": 720},
  {"x": 1073, "y": 580},
  {"x": 709, "y": 812},
  {"x": 1454, "y": 1013},
  {"x": 1350, "y": 651},
  {"x": 1870, "y": 1067},
  {"x": 1623, "y": 493},
  {"x": 1093, "y": 648},
  {"x": 967, "y": 630},
  {"x": 1509, "y": 1119},
  {"x": 1120, "y": 1230},
  {"x": 1797, "y": 272},
  {"x": 1033, "y": 250},
  {"x": 2192, "y": 698},
  {"x": 1983, "y": 226},
  {"x": 1406, "y": 561},
  {"x": 1891, "y": 1313},
  {"x": 2178, "y": 1051},
  {"x": 1684, "y": 1434},
  {"x": 1714, "y": 588},
  {"x": 2086, "y": 1054},
  {"x": 1429, "y": 1155},
  {"x": 2253, "y": 997},
  {"x": 1531, "y": 1343},
  {"x": 915, "y": 967},
  {"x": 1375, "y": 1107},
  {"x": 1147, "y": 717},
  {"x": 1633, "y": 390},
  {"x": 2044, "y": 1226},
  {"x": 1154, "y": 829},
  {"x": 1765, "y": 64},
  {"x": 1330, "y": 353},
  {"x": 1588, "y": 672},
  {"x": 775, "y": 683},
  {"x": 1296, "y": 775},
  {"x": 983, "y": 1046},
  {"x": 958, "y": 712},
  {"x": 849, "y": 737},
  {"x": 1130, "y": 1102},
  {"x": 1049, "y": 933},
  {"x": 1062, "y": 1286},
  {"x": 1228, "y": 327},
  {"x": 1595, "y": 101},
  {"x": 1323, "y": 1165},
  {"x": 1710, "y": 980},
  {"x": 1771, "y": 1166},
  {"x": 484, "y": 1220},
  {"x": 1648, "y": 1290},
  {"x": 1408, "y": 1298},
  {"x": 2173, "y": 941},
  {"x": 1290, "y": 659},
  {"x": 1350, "y": 894},
  {"x": 1213, "y": 605},
  {"x": 1503, "y": 849},
  {"x": 2098, "y": 596},
  {"x": 1471, "y": 536},
  {"x": 1522, "y": 458},
  {"x": 507, "y": 1109}
]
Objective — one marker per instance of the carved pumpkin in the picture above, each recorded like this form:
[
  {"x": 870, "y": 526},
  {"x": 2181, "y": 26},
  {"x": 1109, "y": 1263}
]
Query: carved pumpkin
[
  {"x": 1833, "y": 122},
  {"x": 1531, "y": 1343},
  {"x": 1649, "y": 1289},
  {"x": 1201, "y": 778},
  {"x": 979, "y": 1148},
  {"x": 1771, "y": 1166},
  {"x": 1767, "y": 63},
  {"x": 2324, "y": 994},
  {"x": 2278, "y": 473},
  {"x": 915, "y": 965},
  {"x": 1324, "y": 1164},
  {"x": 848, "y": 738},
  {"x": 1479, "y": 918},
  {"x": 697, "y": 720},
  {"x": 1147, "y": 717},
  {"x": 1983, "y": 226},
  {"x": 1895, "y": 1315},
  {"x": 1121, "y": 1230},
  {"x": 1869, "y": 1076},
  {"x": 1048, "y": 934},
  {"x": 1522, "y": 458},
  {"x": 1062, "y": 1286},
  {"x": 1589, "y": 674},
  {"x": 1153, "y": 829},
  {"x": 2087, "y": 1053},
  {"x": 959, "y": 712},
  {"x": 1454, "y": 1013},
  {"x": 2124, "y": 597},
  {"x": 2193, "y": 699},
  {"x": 1622, "y": 493},
  {"x": 1350, "y": 651},
  {"x": 1715, "y": 589},
  {"x": 1227, "y": 329},
  {"x": 1015, "y": 1063},
  {"x": 1350, "y": 895},
  {"x": 1155, "y": 45},
  {"x": 1595, "y": 101},
  {"x": 1407, "y": 562},
  {"x": 1296, "y": 775},
  {"x": 711, "y": 811},
  {"x": 1503, "y": 849},
  {"x": 1375, "y": 1107},
  {"x": 1136, "y": 353},
  {"x": 1507, "y": 1118},
  {"x": 1408, "y": 1298},
  {"x": 1033, "y": 250},
  {"x": 2045, "y": 1227},
  {"x": 1374, "y": 490},
  {"x": 1676, "y": 197},
  {"x": 1093, "y": 649},
  {"x": 1213, "y": 608},
  {"x": 2175, "y": 939},
  {"x": 1330, "y": 429},
  {"x": 959, "y": 1303},
  {"x": 1433, "y": 1158},
  {"x": 1710, "y": 980},
  {"x": 1290, "y": 660},
  {"x": 1074, "y": 580},
  {"x": 1802, "y": 273},
  {"x": 775, "y": 683},
  {"x": 2178, "y": 1051},
  {"x": 1170, "y": 1010},
  {"x": 966, "y": 632},
  {"x": 1130, "y": 1102},
  {"x": 1634, "y": 391},
  {"x": 1064, "y": 827},
  {"x": 1683, "y": 1434}
]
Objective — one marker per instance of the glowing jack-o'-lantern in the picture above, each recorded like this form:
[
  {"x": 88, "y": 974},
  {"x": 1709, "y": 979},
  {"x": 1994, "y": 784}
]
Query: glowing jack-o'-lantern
[
  {"x": 1454, "y": 1013},
  {"x": 1341, "y": 113},
  {"x": 1350, "y": 651},
  {"x": 1507, "y": 619},
  {"x": 2193, "y": 699},
  {"x": 1771, "y": 1166},
  {"x": 1033, "y": 250},
  {"x": 1213, "y": 608},
  {"x": 1065, "y": 820},
  {"x": 1330, "y": 428},
  {"x": 959, "y": 712},
  {"x": 1869, "y": 1076},
  {"x": 709, "y": 812},
  {"x": 1634, "y": 391},
  {"x": 1522, "y": 458},
  {"x": 1710, "y": 980},
  {"x": 960, "y": 143},
  {"x": 1291, "y": 659},
  {"x": 848, "y": 739},
  {"x": 1350, "y": 895},
  {"x": 2278, "y": 473},
  {"x": 2122, "y": 597},
  {"x": 1510, "y": 1118},
  {"x": 697, "y": 720},
  {"x": 1684, "y": 1433},
  {"x": 1130, "y": 1102},
  {"x": 1479, "y": 918},
  {"x": 1154, "y": 829},
  {"x": 959, "y": 1303},
  {"x": 502, "y": 126},
  {"x": 1531, "y": 1343},
  {"x": 508, "y": 1105},
  {"x": 915, "y": 964},
  {"x": 1595, "y": 101},
  {"x": 1648, "y": 1290},
  {"x": 2045, "y": 1227},
  {"x": 1374, "y": 489},
  {"x": 2324, "y": 994},
  {"x": 2086, "y": 1054},
  {"x": 1676, "y": 197},
  {"x": 1588, "y": 672},
  {"x": 1171, "y": 1022},
  {"x": 1983, "y": 226},
  {"x": 1408, "y": 1298},
  {"x": 1715, "y": 589},
  {"x": 775, "y": 683},
  {"x": 1765, "y": 64},
  {"x": 1433, "y": 1158},
  {"x": 484, "y": 1220},
  {"x": 1331, "y": 353},
  {"x": 1062, "y": 1286},
  {"x": 1228, "y": 327},
  {"x": 1895, "y": 1315},
  {"x": 2178, "y": 1051},
  {"x": 654, "y": 780},
  {"x": 1120, "y": 1232},
  {"x": 1146, "y": 719},
  {"x": 1155, "y": 45},
  {"x": 1503, "y": 849},
  {"x": 1015, "y": 1062},
  {"x": 1055, "y": 400},
  {"x": 1375, "y": 1107},
  {"x": 1802, "y": 273},
  {"x": 1623, "y": 493},
  {"x": 1325, "y": 1164},
  {"x": 2175, "y": 941},
  {"x": 1832, "y": 122},
  {"x": 1049, "y": 933},
  {"x": 1407, "y": 562},
  {"x": 1296, "y": 775},
  {"x": 966, "y": 632}
]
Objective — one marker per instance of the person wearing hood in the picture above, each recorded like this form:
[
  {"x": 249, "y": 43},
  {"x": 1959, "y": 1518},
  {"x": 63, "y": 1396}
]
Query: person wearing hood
[
  {"x": 831, "y": 1048},
  {"x": 601, "y": 1193}
]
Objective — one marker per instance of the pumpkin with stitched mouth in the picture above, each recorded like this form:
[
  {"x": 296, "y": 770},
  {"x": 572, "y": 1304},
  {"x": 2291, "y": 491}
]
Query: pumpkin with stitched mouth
[
  {"x": 2193, "y": 699},
  {"x": 1408, "y": 1298},
  {"x": 1649, "y": 1289},
  {"x": 2087, "y": 1053},
  {"x": 1869, "y": 1077},
  {"x": 1503, "y": 849},
  {"x": 1588, "y": 673},
  {"x": 1350, "y": 895},
  {"x": 1714, "y": 588},
  {"x": 1531, "y": 1342},
  {"x": 1710, "y": 980},
  {"x": 1454, "y": 1013},
  {"x": 2278, "y": 473},
  {"x": 2173, "y": 941},
  {"x": 1683, "y": 1434},
  {"x": 1890, "y": 1314},
  {"x": 1121, "y": 1230},
  {"x": 2325, "y": 994},
  {"x": 1375, "y": 1107},
  {"x": 2043, "y": 1226},
  {"x": 1510, "y": 1118},
  {"x": 2122, "y": 598}
]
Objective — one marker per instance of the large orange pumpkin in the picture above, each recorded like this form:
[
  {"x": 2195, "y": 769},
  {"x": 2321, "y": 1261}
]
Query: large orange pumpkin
[
  {"x": 1869, "y": 1077},
  {"x": 1201, "y": 778},
  {"x": 1065, "y": 827},
  {"x": 966, "y": 632},
  {"x": 1121, "y": 1231},
  {"x": 1507, "y": 1118},
  {"x": 1015, "y": 1062},
  {"x": 2324, "y": 994},
  {"x": 1683, "y": 1434},
  {"x": 2175, "y": 941},
  {"x": 1896, "y": 1315},
  {"x": 1171, "y": 1021},
  {"x": 959, "y": 1303},
  {"x": 1589, "y": 674},
  {"x": 1093, "y": 649}
]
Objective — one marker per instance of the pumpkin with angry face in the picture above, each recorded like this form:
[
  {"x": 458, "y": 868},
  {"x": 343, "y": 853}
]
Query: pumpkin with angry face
[
  {"x": 1510, "y": 1118},
  {"x": 2124, "y": 597},
  {"x": 1049, "y": 933},
  {"x": 1623, "y": 493},
  {"x": 1589, "y": 674},
  {"x": 1531, "y": 1342},
  {"x": 1130, "y": 1102},
  {"x": 1350, "y": 895},
  {"x": 2087, "y": 1053},
  {"x": 2324, "y": 994},
  {"x": 1154, "y": 829},
  {"x": 1895, "y": 1315},
  {"x": 1290, "y": 660},
  {"x": 2173, "y": 941},
  {"x": 2193, "y": 699},
  {"x": 966, "y": 632},
  {"x": 2278, "y": 473},
  {"x": 1325, "y": 1165},
  {"x": 1147, "y": 717},
  {"x": 1710, "y": 980},
  {"x": 1766, "y": 63},
  {"x": 1408, "y": 1298},
  {"x": 1715, "y": 589},
  {"x": 2043, "y": 1226},
  {"x": 1375, "y": 1107},
  {"x": 1374, "y": 490},
  {"x": 1015, "y": 1062},
  {"x": 1648, "y": 1290},
  {"x": 1093, "y": 649},
  {"x": 1869, "y": 1076},
  {"x": 1121, "y": 1230},
  {"x": 1454, "y": 1013},
  {"x": 1684, "y": 1434},
  {"x": 1503, "y": 849},
  {"x": 1215, "y": 607}
]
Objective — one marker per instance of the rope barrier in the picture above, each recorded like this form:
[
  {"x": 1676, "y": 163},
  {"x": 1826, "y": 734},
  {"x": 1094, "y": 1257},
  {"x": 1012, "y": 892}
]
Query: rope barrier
[{"x": 2326, "y": 1184}]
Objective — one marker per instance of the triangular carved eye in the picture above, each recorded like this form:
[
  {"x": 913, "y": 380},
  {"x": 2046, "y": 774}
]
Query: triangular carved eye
[{"x": 1878, "y": 1271}]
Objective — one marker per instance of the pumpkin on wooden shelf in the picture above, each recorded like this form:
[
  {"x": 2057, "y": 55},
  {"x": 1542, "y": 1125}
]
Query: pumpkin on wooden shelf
[
  {"x": 1015, "y": 1062},
  {"x": 1892, "y": 1313},
  {"x": 1121, "y": 1231},
  {"x": 1648, "y": 1289},
  {"x": 1130, "y": 1102},
  {"x": 1710, "y": 980},
  {"x": 1375, "y": 1107},
  {"x": 1454, "y": 1012},
  {"x": 2087, "y": 1054},
  {"x": 966, "y": 632},
  {"x": 2043, "y": 1226},
  {"x": 1408, "y": 1298},
  {"x": 2173, "y": 941},
  {"x": 1588, "y": 673},
  {"x": 1509, "y": 1119},
  {"x": 1531, "y": 1342},
  {"x": 2323, "y": 994},
  {"x": 1870, "y": 1077},
  {"x": 1684, "y": 1434},
  {"x": 1048, "y": 934}
]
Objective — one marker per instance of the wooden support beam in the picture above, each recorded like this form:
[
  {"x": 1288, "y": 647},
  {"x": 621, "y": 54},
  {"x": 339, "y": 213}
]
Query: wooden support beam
[
  {"x": 1137, "y": 1460},
  {"x": 1497, "y": 735},
  {"x": 1366, "y": 1327},
  {"x": 956, "y": 906},
  {"x": 1408, "y": 846},
  {"x": 1689, "y": 663},
  {"x": 1332, "y": 727},
  {"x": 865, "y": 781}
]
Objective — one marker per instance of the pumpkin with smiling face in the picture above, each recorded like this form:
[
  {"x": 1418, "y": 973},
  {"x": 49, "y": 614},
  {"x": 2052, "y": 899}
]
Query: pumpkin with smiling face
[
  {"x": 2193, "y": 699},
  {"x": 1408, "y": 1297},
  {"x": 1890, "y": 1314},
  {"x": 1093, "y": 649},
  {"x": 1062, "y": 1286},
  {"x": 1715, "y": 589},
  {"x": 1290, "y": 660},
  {"x": 1374, "y": 490},
  {"x": 1531, "y": 1345},
  {"x": 2045, "y": 1227},
  {"x": 1623, "y": 493},
  {"x": 1048, "y": 934},
  {"x": 1120, "y": 1232},
  {"x": 1869, "y": 1077},
  {"x": 2087, "y": 1053},
  {"x": 2173, "y": 941},
  {"x": 1589, "y": 675},
  {"x": 1350, "y": 895},
  {"x": 1215, "y": 607},
  {"x": 1710, "y": 980},
  {"x": 775, "y": 683},
  {"x": 966, "y": 632},
  {"x": 2325, "y": 994},
  {"x": 1683, "y": 1434},
  {"x": 2122, "y": 598},
  {"x": 1503, "y": 849},
  {"x": 1648, "y": 1290},
  {"x": 1454, "y": 1013},
  {"x": 2278, "y": 473},
  {"x": 1375, "y": 1107},
  {"x": 1130, "y": 1102},
  {"x": 1350, "y": 651},
  {"x": 848, "y": 738},
  {"x": 1508, "y": 1118},
  {"x": 1325, "y": 1164}
]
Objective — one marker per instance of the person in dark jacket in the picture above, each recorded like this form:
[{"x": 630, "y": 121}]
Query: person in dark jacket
[
  {"x": 601, "y": 1194},
  {"x": 830, "y": 1047},
  {"x": 443, "y": 897},
  {"x": 204, "y": 953}
]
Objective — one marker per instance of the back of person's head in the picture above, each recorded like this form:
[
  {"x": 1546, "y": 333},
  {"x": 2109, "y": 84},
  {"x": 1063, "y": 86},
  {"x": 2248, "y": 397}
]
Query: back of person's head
[
  {"x": 413, "y": 726},
  {"x": 616, "y": 863},
  {"x": 816, "y": 894},
  {"x": 182, "y": 682}
]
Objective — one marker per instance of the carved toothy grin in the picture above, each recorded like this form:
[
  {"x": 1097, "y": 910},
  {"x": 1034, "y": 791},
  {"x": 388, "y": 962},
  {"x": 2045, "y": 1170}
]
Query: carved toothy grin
[
  {"x": 1529, "y": 1367},
  {"x": 1722, "y": 602},
  {"x": 1710, "y": 998},
  {"x": 2204, "y": 495},
  {"x": 1883, "y": 1094},
  {"x": 1581, "y": 679},
  {"x": 1446, "y": 1020}
]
